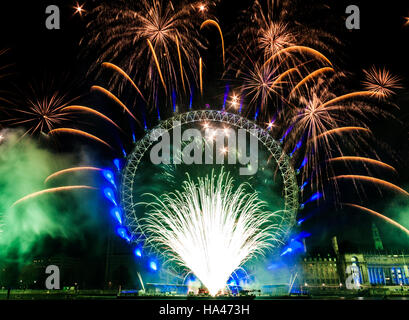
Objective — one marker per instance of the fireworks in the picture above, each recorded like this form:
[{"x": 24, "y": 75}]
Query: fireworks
[
  {"x": 312, "y": 75},
  {"x": 258, "y": 84},
  {"x": 275, "y": 37},
  {"x": 342, "y": 130},
  {"x": 149, "y": 39},
  {"x": 69, "y": 170},
  {"x": 321, "y": 121},
  {"x": 392, "y": 222},
  {"x": 124, "y": 74},
  {"x": 214, "y": 23},
  {"x": 281, "y": 72},
  {"x": 268, "y": 34},
  {"x": 41, "y": 112},
  {"x": 91, "y": 111},
  {"x": 276, "y": 60},
  {"x": 79, "y": 9},
  {"x": 364, "y": 160},
  {"x": 201, "y": 75},
  {"x": 210, "y": 228},
  {"x": 285, "y": 76},
  {"x": 110, "y": 95},
  {"x": 269, "y": 31},
  {"x": 374, "y": 180},
  {"x": 51, "y": 190},
  {"x": 381, "y": 82},
  {"x": 81, "y": 133}
]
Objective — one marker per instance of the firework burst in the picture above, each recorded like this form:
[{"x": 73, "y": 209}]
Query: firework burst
[
  {"x": 258, "y": 84},
  {"x": 210, "y": 228},
  {"x": 154, "y": 41},
  {"x": 270, "y": 31},
  {"x": 324, "y": 125},
  {"x": 41, "y": 111},
  {"x": 274, "y": 37},
  {"x": 381, "y": 82}
]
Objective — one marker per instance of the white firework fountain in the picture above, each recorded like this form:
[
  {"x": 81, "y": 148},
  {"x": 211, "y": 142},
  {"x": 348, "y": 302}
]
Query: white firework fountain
[{"x": 211, "y": 228}]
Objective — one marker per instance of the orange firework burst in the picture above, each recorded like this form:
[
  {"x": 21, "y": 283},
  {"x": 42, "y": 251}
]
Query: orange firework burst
[
  {"x": 319, "y": 120},
  {"x": 381, "y": 82},
  {"x": 260, "y": 82},
  {"x": 79, "y": 9},
  {"x": 280, "y": 73},
  {"x": 276, "y": 37},
  {"x": 269, "y": 31},
  {"x": 166, "y": 36},
  {"x": 202, "y": 7},
  {"x": 42, "y": 112}
]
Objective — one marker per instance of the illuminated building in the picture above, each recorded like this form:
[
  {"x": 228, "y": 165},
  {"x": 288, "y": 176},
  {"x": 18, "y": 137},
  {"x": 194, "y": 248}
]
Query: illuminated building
[{"x": 355, "y": 270}]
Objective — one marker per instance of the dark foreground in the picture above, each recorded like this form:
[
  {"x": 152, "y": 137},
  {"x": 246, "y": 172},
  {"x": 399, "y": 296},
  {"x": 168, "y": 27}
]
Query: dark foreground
[{"x": 113, "y": 295}]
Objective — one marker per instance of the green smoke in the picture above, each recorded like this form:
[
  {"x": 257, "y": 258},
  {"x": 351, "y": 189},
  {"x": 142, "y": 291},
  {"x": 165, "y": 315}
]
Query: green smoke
[
  {"x": 398, "y": 210},
  {"x": 24, "y": 165}
]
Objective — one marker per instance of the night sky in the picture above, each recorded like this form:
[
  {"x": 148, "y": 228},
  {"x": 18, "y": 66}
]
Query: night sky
[{"x": 37, "y": 53}]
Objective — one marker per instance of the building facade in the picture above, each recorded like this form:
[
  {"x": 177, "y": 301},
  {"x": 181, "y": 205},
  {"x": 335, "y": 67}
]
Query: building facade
[{"x": 355, "y": 270}]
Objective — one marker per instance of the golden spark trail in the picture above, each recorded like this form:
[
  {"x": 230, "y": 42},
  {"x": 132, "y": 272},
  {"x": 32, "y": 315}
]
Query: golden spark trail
[
  {"x": 180, "y": 63},
  {"x": 309, "y": 50},
  {"x": 81, "y": 133},
  {"x": 52, "y": 190},
  {"x": 348, "y": 96},
  {"x": 157, "y": 64},
  {"x": 92, "y": 111},
  {"x": 281, "y": 76},
  {"x": 201, "y": 75},
  {"x": 214, "y": 23},
  {"x": 373, "y": 180},
  {"x": 75, "y": 169},
  {"x": 113, "y": 97},
  {"x": 310, "y": 76},
  {"x": 389, "y": 220},
  {"x": 340, "y": 130},
  {"x": 363, "y": 159},
  {"x": 124, "y": 74}
]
